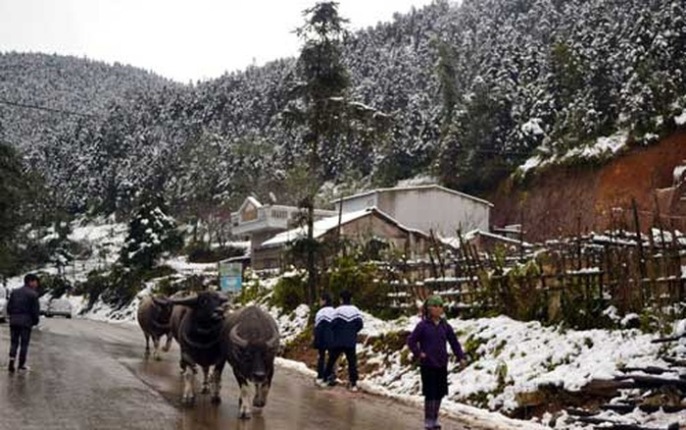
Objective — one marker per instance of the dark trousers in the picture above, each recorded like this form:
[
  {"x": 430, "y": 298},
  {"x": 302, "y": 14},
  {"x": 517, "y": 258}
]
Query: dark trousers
[
  {"x": 20, "y": 336},
  {"x": 321, "y": 363},
  {"x": 350, "y": 356}
]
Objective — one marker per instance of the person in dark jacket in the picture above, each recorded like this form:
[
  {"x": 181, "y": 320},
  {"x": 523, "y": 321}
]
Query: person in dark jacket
[
  {"x": 23, "y": 310},
  {"x": 428, "y": 344},
  {"x": 323, "y": 333},
  {"x": 347, "y": 323}
]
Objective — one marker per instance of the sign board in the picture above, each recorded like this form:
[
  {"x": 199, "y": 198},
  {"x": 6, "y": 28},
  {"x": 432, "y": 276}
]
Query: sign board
[{"x": 230, "y": 276}]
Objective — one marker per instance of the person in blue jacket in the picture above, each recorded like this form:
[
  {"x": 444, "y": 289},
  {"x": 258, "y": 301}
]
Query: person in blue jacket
[
  {"x": 428, "y": 344},
  {"x": 323, "y": 333},
  {"x": 347, "y": 323}
]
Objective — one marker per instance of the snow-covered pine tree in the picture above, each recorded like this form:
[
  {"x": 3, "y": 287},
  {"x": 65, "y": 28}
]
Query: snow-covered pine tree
[{"x": 152, "y": 233}]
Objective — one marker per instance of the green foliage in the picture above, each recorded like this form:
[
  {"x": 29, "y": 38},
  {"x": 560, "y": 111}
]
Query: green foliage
[
  {"x": 11, "y": 183},
  {"x": 501, "y": 374},
  {"x": 583, "y": 311},
  {"x": 470, "y": 158},
  {"x": 323, "y": 83},
  {"x": 199, "y": 252},
  {"x": 121, "y": 284},
  {"x": 251, "y": 290},
  {"x": 54, "y": 285},
  {"x": 352, "y": 273},
  {"x": 290, "y": 292},
  {"x": 167, "y": 283},
  {"x": 96, "y": 283},
  {"x": 13, "y": 203},
  {"x": 472, "y": 344}
]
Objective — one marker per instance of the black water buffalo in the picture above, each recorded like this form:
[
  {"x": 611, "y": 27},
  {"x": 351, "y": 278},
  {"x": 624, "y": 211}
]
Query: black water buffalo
[
  {"x": 251, "y": 341},
  {"x": 198, "y": 322},
  {"x": 154, "y": 315}
]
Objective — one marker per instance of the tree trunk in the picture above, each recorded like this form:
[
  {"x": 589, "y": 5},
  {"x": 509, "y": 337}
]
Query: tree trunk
[{"x": 311, "y": 267}]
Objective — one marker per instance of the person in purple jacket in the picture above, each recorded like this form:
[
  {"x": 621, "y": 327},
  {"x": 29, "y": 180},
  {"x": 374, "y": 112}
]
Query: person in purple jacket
[{"x": 428, "y": 344}]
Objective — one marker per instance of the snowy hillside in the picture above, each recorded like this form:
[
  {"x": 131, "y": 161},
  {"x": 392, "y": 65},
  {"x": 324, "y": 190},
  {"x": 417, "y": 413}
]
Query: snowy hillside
[{"x": 475, "y": 89}]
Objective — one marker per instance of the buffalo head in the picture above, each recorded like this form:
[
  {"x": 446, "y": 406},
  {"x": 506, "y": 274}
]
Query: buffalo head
[
  {"x": 208, "y": 306},
  {"x": 254, "y": 353},
  {"x": 161, "y": 310}
]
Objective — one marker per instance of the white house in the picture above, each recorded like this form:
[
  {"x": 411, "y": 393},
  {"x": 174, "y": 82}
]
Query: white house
[
  {"x": 259, "y": 222},
  {"x": 425, "y": 208},
  {"x": 360, "y": 226}
]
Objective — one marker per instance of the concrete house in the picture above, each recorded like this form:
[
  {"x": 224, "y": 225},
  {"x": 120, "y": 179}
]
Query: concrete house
[
  {"x": 425, "y": 207},
  {"x": 258, "y": 222},
  {"x": 360, "y": 226}
]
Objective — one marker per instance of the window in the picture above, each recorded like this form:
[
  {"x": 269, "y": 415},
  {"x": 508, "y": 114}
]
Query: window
[
  {"x": 249, "y": 213},
  {"x": 280, "y": 214}
]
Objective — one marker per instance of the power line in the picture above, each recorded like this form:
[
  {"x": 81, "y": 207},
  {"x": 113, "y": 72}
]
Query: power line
[{"x": 44, "y": 108}]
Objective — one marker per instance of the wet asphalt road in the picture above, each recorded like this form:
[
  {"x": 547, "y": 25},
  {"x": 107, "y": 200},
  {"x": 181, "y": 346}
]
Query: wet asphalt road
[{"x": 88, "y": 375}]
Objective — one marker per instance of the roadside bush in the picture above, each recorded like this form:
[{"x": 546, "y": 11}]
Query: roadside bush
[
  {"x": 118, "y": 287},
  {"x": 201, "y": 253},
  {"x": 290, "y": 292},
  {"x": 56, "y": 286},
  {"x": 96, "y": 283},
  {"x": 361, "y": 279},
  {"x": 251, "y": 290},
  {"x": 171, "y": 284}
]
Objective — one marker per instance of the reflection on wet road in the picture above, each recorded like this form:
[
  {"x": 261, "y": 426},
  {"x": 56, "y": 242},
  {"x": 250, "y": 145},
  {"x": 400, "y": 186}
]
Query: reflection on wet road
[{"x": 88, "y": 375}]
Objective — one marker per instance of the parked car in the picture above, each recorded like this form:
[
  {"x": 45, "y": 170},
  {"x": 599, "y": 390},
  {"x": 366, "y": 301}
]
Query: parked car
[
  {"x": 44, "y": 303},
  {"x": 58, "y": 307},
  {"x": 4, "y": 295}
]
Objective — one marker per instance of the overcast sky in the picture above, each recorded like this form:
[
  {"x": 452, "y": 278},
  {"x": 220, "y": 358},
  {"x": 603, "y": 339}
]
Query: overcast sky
[{"x": 182, "y": 40}]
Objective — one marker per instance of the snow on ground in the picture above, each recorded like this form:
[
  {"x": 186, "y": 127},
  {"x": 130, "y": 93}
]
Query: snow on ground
[
  {"x": 291, "y": 325},
  {"x": 103, "y": 312},
  {"x": 468, "y": 415},
  {"x": 603, "y": 147},
  {"x": 523, "y": 356},
  {"x": 103, "y": 237},
  {"x": 508, "y": 358},
  {"x": 680, "y": 120},
  {"x": 182, "y": 266}
]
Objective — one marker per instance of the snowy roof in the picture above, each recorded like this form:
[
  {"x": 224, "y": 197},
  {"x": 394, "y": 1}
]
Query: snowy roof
[
  {"x": 325, "y": 225},
  {"x": 455, "y": 241},
  {"x": 249, "y": 200},
  {"x": 415, "y": 188}
]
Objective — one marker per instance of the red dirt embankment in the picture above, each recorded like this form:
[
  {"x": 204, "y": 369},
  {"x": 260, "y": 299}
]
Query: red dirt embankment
[{"x": 563, "y": 201}]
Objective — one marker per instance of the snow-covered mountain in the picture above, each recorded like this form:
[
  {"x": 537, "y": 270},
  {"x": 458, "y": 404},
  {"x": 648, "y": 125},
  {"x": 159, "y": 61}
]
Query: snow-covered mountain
[{"x": 475, "y": 90}]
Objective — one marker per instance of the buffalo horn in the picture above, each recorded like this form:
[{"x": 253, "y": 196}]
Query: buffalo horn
[{"x": 235, "y": 338}]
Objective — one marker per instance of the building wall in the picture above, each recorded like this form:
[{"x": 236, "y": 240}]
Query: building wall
[
  {"x": 434, "y": 209},
  {"x": 360, "y": 203},
  {"x": 266, "y": 258}
]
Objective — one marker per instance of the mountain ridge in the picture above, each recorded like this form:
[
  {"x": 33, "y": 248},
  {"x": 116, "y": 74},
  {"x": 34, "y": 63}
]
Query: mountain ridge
[{"x": 474, "y": 89}]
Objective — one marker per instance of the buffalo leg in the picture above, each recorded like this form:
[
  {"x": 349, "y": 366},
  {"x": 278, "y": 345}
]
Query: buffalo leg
[
  {"x": 156, "y": 346},
  {"x": 189, "y": 385},
  {"x": 167, "y": 345},
  {"x": 261, "y": 393},
  {"x": 217, "y": 383},
  {"x": 147, "y": 345},
  {"x": 244, "y": 399},
  {"x": 205, "y": 380}
]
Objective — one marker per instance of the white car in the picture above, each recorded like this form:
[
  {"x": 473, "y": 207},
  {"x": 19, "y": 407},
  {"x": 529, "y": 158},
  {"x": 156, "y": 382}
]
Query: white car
[{"x": 56, "y": 307}]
